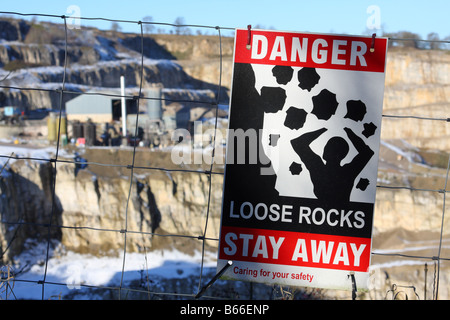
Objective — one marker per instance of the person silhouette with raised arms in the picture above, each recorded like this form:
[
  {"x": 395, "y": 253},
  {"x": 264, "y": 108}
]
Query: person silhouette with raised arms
[{"x": 332, "y": 181}]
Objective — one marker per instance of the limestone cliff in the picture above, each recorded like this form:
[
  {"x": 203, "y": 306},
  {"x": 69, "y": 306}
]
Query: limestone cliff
[
  {"x": 33, "y": 56},
  {"x": 417, "y": 84},
  {"x": 92, "y": 209}
]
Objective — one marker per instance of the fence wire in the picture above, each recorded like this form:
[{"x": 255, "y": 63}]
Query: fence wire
[{"x": 5, "y": 280}]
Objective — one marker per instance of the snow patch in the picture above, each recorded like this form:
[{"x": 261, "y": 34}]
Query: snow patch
[{"x": 74, "y": 271}]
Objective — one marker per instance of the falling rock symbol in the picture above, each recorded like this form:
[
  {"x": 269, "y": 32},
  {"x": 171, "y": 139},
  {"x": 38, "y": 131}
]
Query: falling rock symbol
[
  {"x": 295, "y": 118},
  {"x": 356, "y": 110},
  {"x": 369, "y": 129},
  {"x": 362, "y": 184},
  {"x": 273, "y": 99},
  {"x": 295, "y": 168},
  {"x": 283, "y": 74},
  {"x": 273, "y": 139},
  {"x": 324, "y": 104},
  {"x": 308, "y": 78}
]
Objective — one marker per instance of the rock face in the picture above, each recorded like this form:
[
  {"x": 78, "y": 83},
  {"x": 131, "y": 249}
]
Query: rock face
[
  {"x": 12, "y": 30},
  {"x": 417, "y": 84},
  {"x": 33, "y": 56},
  {"x": 199, "y": 56},
  {"x": 27, "y": 197},
  {"x": 92, "y": 209}
]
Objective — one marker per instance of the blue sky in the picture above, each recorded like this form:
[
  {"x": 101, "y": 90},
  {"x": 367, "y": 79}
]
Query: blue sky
[{"x": 328, "y": 16}]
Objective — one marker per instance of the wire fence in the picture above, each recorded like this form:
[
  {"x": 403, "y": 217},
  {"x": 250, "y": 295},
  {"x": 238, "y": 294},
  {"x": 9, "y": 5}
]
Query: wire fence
[{"x": 7, "y": 280}]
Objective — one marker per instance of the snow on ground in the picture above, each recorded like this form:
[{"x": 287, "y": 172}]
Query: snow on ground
[
  {"x": 73, "y": 271},
  {"x": 10, "y": 151}
]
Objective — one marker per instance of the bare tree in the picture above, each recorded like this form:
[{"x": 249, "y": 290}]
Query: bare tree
[
  {"x": 446, "y": 45},
  {"x": 180, "y": 26},
  {"x": 404, "y": 39},
  {"x": 148, "y": 28},
  {"x": 433, "y": 36},
  {"x": 413, "y": 39},
  {"x": 115, "y": 26}
]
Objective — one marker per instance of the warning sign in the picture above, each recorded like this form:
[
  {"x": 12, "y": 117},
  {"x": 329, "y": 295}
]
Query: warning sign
[{"x": 302, "y": 158}]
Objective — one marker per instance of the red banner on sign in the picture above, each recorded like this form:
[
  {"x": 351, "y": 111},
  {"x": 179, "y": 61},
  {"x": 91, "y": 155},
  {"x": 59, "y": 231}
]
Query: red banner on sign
[
  {"x": 295, "y": 248},
  {"x": 310, "y": 50}
]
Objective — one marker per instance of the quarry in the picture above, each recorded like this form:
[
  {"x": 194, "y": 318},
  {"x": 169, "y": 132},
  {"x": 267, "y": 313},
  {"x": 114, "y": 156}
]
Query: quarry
[{"x": 180, "y": 86}]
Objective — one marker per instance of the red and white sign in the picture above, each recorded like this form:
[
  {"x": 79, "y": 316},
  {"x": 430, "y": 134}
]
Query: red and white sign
[
  {"x": 310, "y": 50},
  {"x": 302, "y": 158}
]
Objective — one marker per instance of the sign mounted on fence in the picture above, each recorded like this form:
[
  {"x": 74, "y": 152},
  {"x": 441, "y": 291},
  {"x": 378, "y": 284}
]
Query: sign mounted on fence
[{"x": 302, "y": 158}]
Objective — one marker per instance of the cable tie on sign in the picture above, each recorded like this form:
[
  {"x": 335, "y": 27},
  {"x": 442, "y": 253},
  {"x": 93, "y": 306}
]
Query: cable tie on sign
[
  {"x": 214, "y": 279},
  {"x": 249, "y": 36},
  {"x": 372, "y": 45}
]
